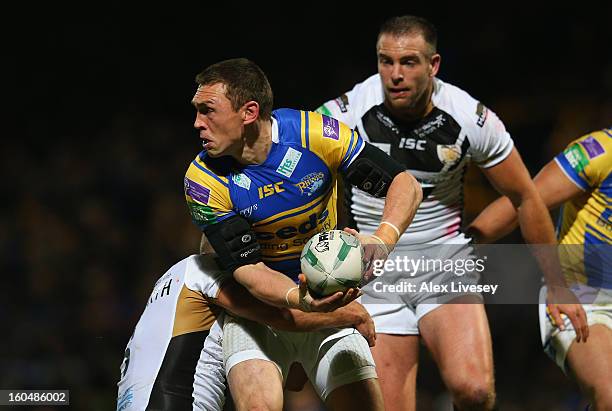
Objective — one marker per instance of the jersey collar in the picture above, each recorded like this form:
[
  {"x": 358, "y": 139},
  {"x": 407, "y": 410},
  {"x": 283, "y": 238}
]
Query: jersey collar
[{"x": 275, "y": 137}]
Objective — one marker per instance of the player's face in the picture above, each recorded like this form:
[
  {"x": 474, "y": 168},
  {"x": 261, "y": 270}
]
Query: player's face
[
  {"x": 220, "y": 126},
  {"x": 407, "y": 69}
]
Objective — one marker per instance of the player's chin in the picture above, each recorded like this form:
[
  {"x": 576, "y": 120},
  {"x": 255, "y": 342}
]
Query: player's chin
[
  {"x": 213, "y": 152},
  {"x": 402, "y": 103}
]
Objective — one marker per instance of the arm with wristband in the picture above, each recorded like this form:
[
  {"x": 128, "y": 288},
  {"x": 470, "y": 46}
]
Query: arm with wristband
[
  {"x": 379, "y": 175},
  {"x": 236, "y": 299},
  {"x": 265, "y": 284}
]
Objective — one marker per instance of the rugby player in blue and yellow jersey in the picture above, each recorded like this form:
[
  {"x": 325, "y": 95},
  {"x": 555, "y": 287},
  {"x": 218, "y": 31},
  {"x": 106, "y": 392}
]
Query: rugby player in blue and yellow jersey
[
  {"x": 264, "y": 184},
  {"x": 580, "y": 180}
]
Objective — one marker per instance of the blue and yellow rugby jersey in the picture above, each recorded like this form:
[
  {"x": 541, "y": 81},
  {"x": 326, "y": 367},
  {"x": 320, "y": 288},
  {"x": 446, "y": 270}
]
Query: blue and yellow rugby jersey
[
  {"x": 587, "y": 219},
  {"x": 289, "y": 197}
]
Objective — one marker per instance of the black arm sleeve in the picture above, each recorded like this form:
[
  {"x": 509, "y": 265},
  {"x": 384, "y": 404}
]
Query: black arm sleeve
[
  {"x": 373, "y": 170},
  {"x": 234, "y": 242}
]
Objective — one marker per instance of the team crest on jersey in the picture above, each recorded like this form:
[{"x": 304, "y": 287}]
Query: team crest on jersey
[
  {"x": 592, "y": 147},
  {"x": 310, "y": 183},
  {"x": 242, "y": 180},
  {"x": 196, "y": 191},
  {"x": 331, "y": 128},
  {"x": 449, "y": 154},
  {"x": 289, "y": 162}
]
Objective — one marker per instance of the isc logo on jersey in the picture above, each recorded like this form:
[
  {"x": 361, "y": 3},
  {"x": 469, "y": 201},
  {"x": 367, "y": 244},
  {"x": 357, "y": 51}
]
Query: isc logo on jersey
[
  {"x": 290, "y": 231},
  {"x": 412, "y": 144},
  {"x": 270, "y": 189}
]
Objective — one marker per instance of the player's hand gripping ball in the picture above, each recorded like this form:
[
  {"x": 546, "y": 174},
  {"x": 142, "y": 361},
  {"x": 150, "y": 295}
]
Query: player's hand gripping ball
[{"x": 332, "y": 261}]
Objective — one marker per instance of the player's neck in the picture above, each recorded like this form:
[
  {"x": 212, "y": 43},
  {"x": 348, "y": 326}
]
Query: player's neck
[{"x": 257, "y": 143}]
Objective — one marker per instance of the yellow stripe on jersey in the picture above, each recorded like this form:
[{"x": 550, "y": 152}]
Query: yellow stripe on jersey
[
  {"x": 599, "y": 235},
  {"x": 204, "y": 167},
  {"x": 330, "y": 139},
  {"x": 303, "y": 127},
  {"x": 315, "y": 127},
  {"x": 297, "y": 210}
]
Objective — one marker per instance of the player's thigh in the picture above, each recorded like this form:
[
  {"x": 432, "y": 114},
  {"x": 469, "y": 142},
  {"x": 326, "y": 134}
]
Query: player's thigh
[
  {"x": 591, "y": 363},
  {"x": 255, "y": 360},
  {"x": 397, "y": 341},
  {"x": 359, "y": 395},
  {"x": 397, "y": 359},
  {"x": 458, "y": 337},
  {"x": 256, "y": 384},
  {"x": 396, "y": 356}
]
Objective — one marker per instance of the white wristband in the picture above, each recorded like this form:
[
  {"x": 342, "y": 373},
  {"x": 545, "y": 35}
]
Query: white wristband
[
  {"x": 389, "y": 249},
  {"x": 378, "y": 238},
  {"x": 393, "y": 226},
  {"x": 287, "y": 295}
]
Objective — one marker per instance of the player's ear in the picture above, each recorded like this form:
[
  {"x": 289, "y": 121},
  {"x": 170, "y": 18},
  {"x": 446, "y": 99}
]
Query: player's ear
[
  {"x": 250, "y": 112},
  {"x": 434, "y": 64}
]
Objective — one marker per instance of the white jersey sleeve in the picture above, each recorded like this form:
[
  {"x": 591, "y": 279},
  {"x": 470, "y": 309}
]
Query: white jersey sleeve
[
  {"x": 350, "y": 106},
  {"x": 490, "y": 143},
  {"x": 202, "y": 274}
]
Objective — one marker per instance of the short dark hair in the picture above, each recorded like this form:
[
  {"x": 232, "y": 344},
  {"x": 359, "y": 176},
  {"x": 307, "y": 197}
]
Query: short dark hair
[
  {"x": 411, "y": 25},
  {"x": 244, "y": 81}
]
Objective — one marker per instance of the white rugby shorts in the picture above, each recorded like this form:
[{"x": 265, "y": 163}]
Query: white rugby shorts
[
  {"x": 331, "y": 358},
  {"x": 557, "y": 343},
  {"x": 399, "y": 311}
]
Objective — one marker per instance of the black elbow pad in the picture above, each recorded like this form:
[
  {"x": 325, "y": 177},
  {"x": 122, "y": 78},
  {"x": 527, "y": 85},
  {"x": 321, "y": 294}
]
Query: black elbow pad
[
  {"x": 373, "y": 171},
  {"x": 234, "y": 242}
]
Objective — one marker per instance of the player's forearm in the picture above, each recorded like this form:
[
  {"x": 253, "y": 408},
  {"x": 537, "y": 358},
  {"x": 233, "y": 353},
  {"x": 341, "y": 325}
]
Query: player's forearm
[
  {"x": 497, "y": 220},
  {"x": 535, "y": 222},
  {"x": 403, "y": 199},
  {"x": 241, "y": 303},
  {"x": 301, "y": 321},
  {"x": 265, "y": 284},
  {"x": 538, "y": 231}
]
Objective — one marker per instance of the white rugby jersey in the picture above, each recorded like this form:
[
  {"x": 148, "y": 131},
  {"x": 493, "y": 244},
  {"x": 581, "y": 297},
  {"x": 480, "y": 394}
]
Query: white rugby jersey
[
  {"x": 179, "y": 305},
  {"x": 435, "y": 149}
]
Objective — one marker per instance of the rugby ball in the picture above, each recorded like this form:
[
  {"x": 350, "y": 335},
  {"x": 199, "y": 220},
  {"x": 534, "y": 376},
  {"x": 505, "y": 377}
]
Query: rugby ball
[{"x": 332, "y": 261}]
